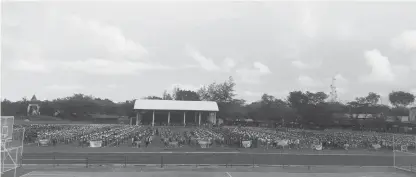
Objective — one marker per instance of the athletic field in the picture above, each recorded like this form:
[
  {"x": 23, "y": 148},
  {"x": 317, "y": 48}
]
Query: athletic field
[
  {"x": 217, "y": 172},
  {"x": 210, "y": 174}
]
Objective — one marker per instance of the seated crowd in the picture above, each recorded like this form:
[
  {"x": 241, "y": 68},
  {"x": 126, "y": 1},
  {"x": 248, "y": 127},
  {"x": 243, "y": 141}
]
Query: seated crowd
[{"x": 253, "y": 137}]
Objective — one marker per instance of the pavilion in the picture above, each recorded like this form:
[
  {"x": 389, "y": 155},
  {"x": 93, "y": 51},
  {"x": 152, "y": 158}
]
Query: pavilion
[{"x": 206, "y": 110}]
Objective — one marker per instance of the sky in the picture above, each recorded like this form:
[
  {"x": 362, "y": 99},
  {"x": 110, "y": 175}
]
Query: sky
[{"x": 127, "y": 50}]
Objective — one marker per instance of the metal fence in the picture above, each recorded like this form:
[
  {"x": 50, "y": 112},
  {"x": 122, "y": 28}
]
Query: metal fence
[{"x": 203, "y": 159}]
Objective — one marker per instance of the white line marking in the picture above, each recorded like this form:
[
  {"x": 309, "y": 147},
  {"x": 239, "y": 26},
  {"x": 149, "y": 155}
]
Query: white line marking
[
  {"x": 52, "y": 159},
  {"x": 28, "y": 174},
  {"x": 261, "y": 165},
  {"x": 233, "y": 152},
  {"x": 352, "y": 166},
  {"x": 141, "y": 152},
  {"x": 405, "y": 169},
  {"x": 228, "y": 174},
  {"x": 9, "y": 169},
  {"x": 410, "y": 153},
  {"x": 61, "y": 174}
]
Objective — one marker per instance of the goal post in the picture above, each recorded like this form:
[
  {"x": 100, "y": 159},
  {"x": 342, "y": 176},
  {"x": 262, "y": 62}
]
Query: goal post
[
  {"x": 11, "y": 145},
  {"x": 404, "y": 154},
  {"x": 405, "y": 161}
]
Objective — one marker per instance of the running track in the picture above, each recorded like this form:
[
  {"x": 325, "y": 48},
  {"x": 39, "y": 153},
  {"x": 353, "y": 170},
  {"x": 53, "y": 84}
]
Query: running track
[{"x": 226, "y": 158}]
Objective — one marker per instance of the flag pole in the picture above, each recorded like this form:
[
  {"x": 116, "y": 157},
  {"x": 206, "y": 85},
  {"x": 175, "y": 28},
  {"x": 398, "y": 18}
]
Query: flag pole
[{"x": 394, "y": 154}]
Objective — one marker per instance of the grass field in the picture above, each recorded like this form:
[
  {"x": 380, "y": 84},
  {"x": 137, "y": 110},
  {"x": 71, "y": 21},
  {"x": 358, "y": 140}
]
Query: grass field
[
  {"x": 223, "y": 172},
  {"x": 210, "y": 174},
  {"x": 194, "y": 161}
]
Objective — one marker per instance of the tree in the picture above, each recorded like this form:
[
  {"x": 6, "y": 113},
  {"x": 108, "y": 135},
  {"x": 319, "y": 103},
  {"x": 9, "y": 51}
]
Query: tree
[
  {"x": 401, "y": 99},
  {"x": 127, "y": 108},
  {"x": 300, "y": 102},
  {"x": 223, "y": 92},
  {"x": 153, "y": 98},
  {"x": 186, "y": 95},
  {"x": 312, "y": 107},
  {"x": 167, "y": 96},
  {"x": 316, "y": 98},
  {"x": 234, "y": 109},
  {"x": 366, "y": 105},
  {"x": 275, "y": 109},
  {"x": 297, "y": 100},
  {"x": 372, "y": 98}
]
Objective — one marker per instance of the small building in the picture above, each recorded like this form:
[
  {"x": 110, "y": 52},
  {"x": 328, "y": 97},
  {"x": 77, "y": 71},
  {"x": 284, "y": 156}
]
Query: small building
[
  {"x": 168, "y": 112},
  {"x": 33, "y": 108}
]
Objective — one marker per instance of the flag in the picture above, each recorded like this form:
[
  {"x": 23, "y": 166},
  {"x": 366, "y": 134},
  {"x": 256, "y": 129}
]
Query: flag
[
  {"x": 376, "y": 146},
  {"x": 282, "y": 142},
  {"x": 246, "y": 144}
]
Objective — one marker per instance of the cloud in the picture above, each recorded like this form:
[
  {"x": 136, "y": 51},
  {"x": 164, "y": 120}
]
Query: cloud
[
  {"x": 113, "y": 86},
  {"x": 64, "y": 87},
  {"x": 90, "y": 46},
  {"x": 204, "y": 62},
  {"x": 208, "y": 64},
  {"x": 253, "y": 94},
  {"x": 29, "y": 59},
  {"x": 122, "y": 56},
  {"x": 261, "y": 68},
  {"x": 299, "y": 64},
  {"x": 292, "y": 50},
  {"x": 381, "y": 69},
  {"x": 253, "y": 76},
  {"x": 302, "y": 65},
  {"x": 405, "y": 41},
  {"x": 229, "y": 64},
  {"x": 413, "y": 63},
  {"x": 344, "y": 30},
  {"x": 110, "y": 67},
  {"x": 111, "y": 37},
  {"x": 341, "y": 90},
  {"x": 307, "y": 81},
  {"x": 339, "y": 79},
  {"x": 29, "y": 66},
  {"x": 308, "y": 23}
]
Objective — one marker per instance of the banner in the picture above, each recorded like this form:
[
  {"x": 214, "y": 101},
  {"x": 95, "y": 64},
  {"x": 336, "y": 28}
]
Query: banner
[
  {"x": 6, "y": 124},
  {"x": 246, "y": 144},
  {"x": 376, "y": 146},
  {"x": 317, "y": 147},
  {"x": 96, "y": 143},
  {"x": 346, "y": 146},
  {"x": 203, "y": 144},
  {"x": 282, "y": 142},
  {"x": 44, "y": 142},
  {"x": 174, "y": 144}
]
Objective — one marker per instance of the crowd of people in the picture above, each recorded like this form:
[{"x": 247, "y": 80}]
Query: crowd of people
[
  {"x": 299, "y": 138},
  {"x": 116, "y": 134}
]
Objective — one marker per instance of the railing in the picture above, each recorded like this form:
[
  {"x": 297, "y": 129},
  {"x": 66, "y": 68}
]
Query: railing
[{"x": 204, "y": 159}]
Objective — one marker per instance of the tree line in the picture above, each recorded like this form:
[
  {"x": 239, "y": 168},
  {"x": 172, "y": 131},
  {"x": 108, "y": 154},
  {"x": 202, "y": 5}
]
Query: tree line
[{"x": 299, "y": 107}]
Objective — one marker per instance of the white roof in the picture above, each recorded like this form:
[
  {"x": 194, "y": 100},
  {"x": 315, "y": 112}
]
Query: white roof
[{"x": 176, "y": 105}]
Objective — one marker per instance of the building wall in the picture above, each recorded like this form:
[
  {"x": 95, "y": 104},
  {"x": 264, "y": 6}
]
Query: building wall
[{"x": 412, "y": 115}]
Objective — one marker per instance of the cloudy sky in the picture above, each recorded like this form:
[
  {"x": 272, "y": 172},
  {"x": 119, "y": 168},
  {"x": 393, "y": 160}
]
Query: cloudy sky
[{"x": 126, "y": 50}]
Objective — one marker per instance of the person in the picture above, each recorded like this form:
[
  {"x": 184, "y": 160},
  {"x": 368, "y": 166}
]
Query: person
[
  {"x": 137, "y": 142},
  {"x": 147, "y": 141}
]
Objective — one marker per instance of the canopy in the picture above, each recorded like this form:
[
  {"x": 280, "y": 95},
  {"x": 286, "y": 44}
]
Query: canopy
[{"x": 173, "y": 105}]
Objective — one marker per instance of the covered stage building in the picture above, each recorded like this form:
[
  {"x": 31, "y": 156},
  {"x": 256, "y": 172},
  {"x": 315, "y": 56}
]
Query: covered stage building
[{"x": 170, "y": 112}]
